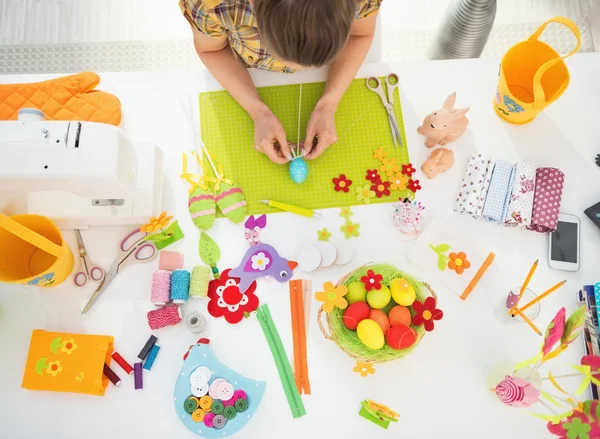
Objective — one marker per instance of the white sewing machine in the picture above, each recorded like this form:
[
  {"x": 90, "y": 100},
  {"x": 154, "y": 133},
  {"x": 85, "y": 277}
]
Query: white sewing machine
[{"x": 78, "y": 173}]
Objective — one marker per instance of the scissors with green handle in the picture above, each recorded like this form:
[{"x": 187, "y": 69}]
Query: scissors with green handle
[
  {"x": 391, "y": 81},
  {"x": 133, "y": 249}
]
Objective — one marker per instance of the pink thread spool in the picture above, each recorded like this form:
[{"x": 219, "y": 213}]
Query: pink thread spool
[
  {"x": 161, "y": 287},
  {"x": 162, "y": 317}
]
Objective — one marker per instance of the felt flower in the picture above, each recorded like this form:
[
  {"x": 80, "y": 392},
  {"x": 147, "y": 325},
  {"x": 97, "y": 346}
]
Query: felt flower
[
  {"x": 426, "y": 313},
  {"x": 324, "y": 235},
  {"x": 342, "y": 184},
  {"x": 408, "y": 169},
  {"x": 458, "y": 262},
  {"x": 54, "y": 368},
  {"x": 226, "y": 300},
  {"x": 346, "y": 212},
  {"x": 414, "y": 185},
  {"x": 364, "y": 193},
  {"x": 512, "y": 106},
  {"x": 379, "y": 154},
  {"x": 364, "y": 368},
  {"x": 554, "y": 331},
  {"x": 593, "y": 361},
  {"x": 373, "y": 176},
  {"x": 79, "y": 378},
  {"x": 381, "y": 188},
  {"x": 577, "y": 429},
  {"x": 398, "y": 181},
  {"x": 517, "y": 392},
  {"x": 389, "y": 166},
  {"x": 350, "y": 229},
  {"x": 332, "y": 297},
  {"x": 260, "y": 261},
  {"x": 68, "y": 346},
  {"x": 156, "y": 223},
  {"x": 372, "y": 280}
]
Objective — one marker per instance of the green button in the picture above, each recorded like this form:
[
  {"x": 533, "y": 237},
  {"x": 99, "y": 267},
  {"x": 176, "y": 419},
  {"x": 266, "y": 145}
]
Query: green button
[
  {"x": 217, "y": 407},
  {"x": 241, "y": 405},
  {"x": 190, "y": 405},
  {"x": 229, "y": 412}
]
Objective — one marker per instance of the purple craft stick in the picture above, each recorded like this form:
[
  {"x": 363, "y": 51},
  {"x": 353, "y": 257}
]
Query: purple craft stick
[{"x": 137, "y": 375}]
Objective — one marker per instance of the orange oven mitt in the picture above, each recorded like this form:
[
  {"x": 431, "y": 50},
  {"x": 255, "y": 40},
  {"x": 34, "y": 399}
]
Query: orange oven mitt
[
  {"x": 67, "y": 98},
  {"x": 62, "y": 362}
]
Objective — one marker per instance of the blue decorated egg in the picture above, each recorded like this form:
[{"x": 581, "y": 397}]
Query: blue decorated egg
[{"x": 298, "y": 170}]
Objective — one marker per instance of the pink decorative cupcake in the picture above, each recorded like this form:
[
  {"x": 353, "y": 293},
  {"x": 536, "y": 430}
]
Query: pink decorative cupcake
[{"x": 517, "y": 392}]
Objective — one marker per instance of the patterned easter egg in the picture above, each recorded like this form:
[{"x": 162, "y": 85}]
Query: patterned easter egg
[
  {"x": 202, "y": 208},
  {"x": 298, "y": 170},
  {"x": 232, "y": 202}
]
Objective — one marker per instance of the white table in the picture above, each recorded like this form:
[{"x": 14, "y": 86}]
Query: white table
[{"x": 439, "y": 390}]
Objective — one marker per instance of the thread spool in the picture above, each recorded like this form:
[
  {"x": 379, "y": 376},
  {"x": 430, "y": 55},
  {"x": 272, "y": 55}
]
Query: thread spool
[
  {"x": 163, "y": 317},
  {"x": 138, "y": 376},
  {"x": 112, "y": 376},
  {"x": 151, "y": 357},
  {"x": 195, "y": 321},
  {"x": 180, "y": 286},
  {"x": 201, "y": 275},
  {"x": 161, "y": 287},
  {"x": 144, "y": 352},
  {"x": 122, "y": 362}
]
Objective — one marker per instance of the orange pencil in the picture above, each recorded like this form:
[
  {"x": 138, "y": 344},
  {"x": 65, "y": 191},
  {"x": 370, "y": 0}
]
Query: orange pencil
[
  {"x": 529, "y": 322},
  {"x": 524, "y": 286},
  {"x": 541, "y": 296}
]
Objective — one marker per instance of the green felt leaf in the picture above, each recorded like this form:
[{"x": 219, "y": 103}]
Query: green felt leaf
[
  {"x": 55, "y": 345},
  {"x": 573, "y": 324},
  {"x": 210, "y": 253},
  {"x": 442, "y": 248},
  {"x": 158, "y": 237},
  {"x": 41, "y": 365},
  {"x": 441, "y": 262}
]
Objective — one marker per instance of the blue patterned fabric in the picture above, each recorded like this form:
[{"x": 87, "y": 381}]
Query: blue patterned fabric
[{"x": 497, "y": 200}]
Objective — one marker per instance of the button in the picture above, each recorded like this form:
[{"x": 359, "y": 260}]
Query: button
[
  {"x": 199, "y": 390},
  {"x": 205, "y": 403},
  {"x": 190, "y": 405},
  {"x": 219, "y": 421},
  {"x": 250, "y": 57},
  {"x": 217, "y": 407},
  {"x": 208, "y": 420},
  {"x": 229, "y": 402},
  {"x": 241, "y": 405},
  {"x": 200, "y": 376},
  {"x": 239, "y": 394},
  {"x": 198, "y": 415},
  {"x": 225, "y": 391},
  {"x": 213, "y": 388},
  {"x": 229, "y": 412}
]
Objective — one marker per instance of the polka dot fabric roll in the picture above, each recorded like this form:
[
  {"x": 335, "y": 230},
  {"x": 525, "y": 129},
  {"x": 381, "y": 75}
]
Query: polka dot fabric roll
[{"x": 549, "y": 184}]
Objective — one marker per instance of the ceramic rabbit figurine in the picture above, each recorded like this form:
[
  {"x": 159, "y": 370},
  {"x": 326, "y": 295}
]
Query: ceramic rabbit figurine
[
  {"x": 439, "y": 161},
  {"x": 444, "y": 125}
]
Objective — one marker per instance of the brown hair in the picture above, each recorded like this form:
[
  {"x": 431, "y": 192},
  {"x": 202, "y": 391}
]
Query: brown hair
[{"x": 306, "y": 32}]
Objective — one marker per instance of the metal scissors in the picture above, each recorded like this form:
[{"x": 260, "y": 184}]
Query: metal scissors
[
  {"x": 90, "y": 269},
  {"x": 133, "y": 249},
  {"x": 374, "y": 85}
]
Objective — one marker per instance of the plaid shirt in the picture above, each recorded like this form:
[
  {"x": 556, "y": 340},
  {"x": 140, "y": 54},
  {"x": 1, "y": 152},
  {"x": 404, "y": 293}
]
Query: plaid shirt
[{"x": 235, "y": 19}]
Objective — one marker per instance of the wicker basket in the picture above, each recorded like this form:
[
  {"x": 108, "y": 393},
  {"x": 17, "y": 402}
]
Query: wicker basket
[{"x": 348, "y": 341}]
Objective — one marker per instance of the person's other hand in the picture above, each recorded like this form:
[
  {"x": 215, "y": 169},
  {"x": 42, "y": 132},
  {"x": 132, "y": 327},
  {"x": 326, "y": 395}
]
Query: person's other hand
[
  {"x": 269, "y": 137},
  {"x": 320, "y": 131}
]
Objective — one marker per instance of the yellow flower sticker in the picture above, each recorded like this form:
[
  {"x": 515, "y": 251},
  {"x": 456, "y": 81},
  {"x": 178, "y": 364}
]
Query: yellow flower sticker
[
  {"x": 363, "y": 368},
  {"x": 68, "y": 346},
  {"x": 79, "y": 378},
  {"x": 54, "y": 368}
]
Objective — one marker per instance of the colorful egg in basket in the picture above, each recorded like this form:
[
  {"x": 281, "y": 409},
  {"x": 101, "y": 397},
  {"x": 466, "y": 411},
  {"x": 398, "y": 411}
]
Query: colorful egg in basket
[{"x": 348, "y": 340}]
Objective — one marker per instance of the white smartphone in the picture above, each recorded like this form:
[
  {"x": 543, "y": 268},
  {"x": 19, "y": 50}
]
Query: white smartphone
[{"x": 563, "y": 246}]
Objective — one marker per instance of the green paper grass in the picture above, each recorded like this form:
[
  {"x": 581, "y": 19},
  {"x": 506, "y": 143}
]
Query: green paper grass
[{"x": 348, "y": 341}]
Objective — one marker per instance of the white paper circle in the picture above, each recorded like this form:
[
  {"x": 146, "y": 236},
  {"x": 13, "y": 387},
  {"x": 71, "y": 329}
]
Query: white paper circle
[
  {"x": 309, "y": 259},
  {"x": 345, "y": 253},
  {"x": 328, "y": 253}
]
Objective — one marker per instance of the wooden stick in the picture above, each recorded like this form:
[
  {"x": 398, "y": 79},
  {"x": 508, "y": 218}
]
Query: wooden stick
[
  {"x": 486, "y": 264},
  {"x": 525, "y": 284},
  {"x": 545, "y": 294},
  {"x": 299, "y": 118},
  {"x": 529, "y": 322}
]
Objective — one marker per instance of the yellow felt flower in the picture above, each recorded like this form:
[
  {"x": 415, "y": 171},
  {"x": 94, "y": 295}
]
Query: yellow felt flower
[
  {"x": 332, "y": 296},
  {"x": 399, "y": 181},
  {"x": 156, "y": 223},
  {"x": 363, "y": 368},
  {"x": 68, "y": 346},
  {"x": 389, "y": 167},
  {"x": 379, "y": 154},
  {"x": 54, "y": 368}
]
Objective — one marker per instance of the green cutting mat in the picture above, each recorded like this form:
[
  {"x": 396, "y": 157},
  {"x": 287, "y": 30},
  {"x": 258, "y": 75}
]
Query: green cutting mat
[{"x": 362, "y": 125}]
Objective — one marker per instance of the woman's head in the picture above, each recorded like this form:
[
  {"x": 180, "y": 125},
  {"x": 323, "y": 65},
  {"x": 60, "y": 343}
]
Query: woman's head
[{"x": 306, "y": 32}]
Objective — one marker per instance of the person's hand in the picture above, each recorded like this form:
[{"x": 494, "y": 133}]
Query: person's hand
[
  {"x": 320, "y": 131},
  {"x": 269, "y": 137}
]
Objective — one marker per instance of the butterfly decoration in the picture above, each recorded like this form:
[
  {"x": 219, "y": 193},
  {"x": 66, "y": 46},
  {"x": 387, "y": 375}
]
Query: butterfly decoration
[{"x": 253, "y": 226}]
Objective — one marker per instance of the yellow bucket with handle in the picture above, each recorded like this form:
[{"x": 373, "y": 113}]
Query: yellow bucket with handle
[
  {"x": 33, "y": 251},
  {"x": 532, "y": 76}
]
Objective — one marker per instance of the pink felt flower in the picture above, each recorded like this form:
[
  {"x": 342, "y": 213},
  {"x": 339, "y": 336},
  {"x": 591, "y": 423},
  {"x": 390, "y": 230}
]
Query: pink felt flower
[
  {"x": 555, "y": 331},
  {"x": 517, "y": 392}
]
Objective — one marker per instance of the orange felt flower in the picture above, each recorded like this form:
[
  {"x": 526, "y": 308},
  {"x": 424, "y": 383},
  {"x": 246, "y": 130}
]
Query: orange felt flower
[
  {"x": 389, "y": 167},
  {"x": 156, "y": 223},
  {"x": 458, "y": 262},
  {"x": 379, "y": 154},
  {"x": 399, "y": 181},
  {"x": 364, "y": 369},
  {"x": 332, "y": 296}
]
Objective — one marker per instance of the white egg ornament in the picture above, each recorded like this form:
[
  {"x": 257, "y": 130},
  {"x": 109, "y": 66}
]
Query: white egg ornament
[{"x": 298, "y": 170}]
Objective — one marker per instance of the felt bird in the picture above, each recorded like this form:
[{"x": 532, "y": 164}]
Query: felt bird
[{"x": 259, "y": 261}]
